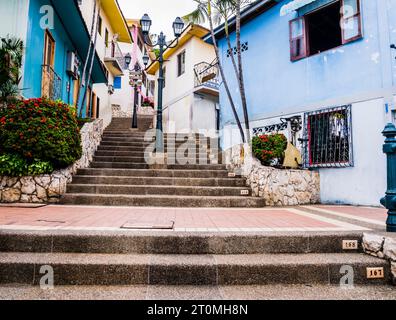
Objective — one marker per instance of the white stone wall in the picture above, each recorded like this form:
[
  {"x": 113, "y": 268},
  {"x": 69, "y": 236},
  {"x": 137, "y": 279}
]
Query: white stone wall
[
  {"x": 279, "y": 187},
  {"x": 49, "y": 188},
  {"x": 383, "y": 248}
]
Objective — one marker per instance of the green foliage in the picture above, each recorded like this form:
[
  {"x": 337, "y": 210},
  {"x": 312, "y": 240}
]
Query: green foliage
[
  {"x": 41, "y": 129},
  {"x": 11, "y": 52},
  {"x": 16, "y": 166},
  {"x": 270, "y": 149}
]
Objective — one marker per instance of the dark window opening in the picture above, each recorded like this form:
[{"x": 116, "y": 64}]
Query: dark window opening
[
  {"x": 329, "y": 138},
  {"x": 324, "y": 29}
]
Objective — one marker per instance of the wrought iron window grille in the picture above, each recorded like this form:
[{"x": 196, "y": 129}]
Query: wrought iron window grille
[{"x": 328, "y": 138}]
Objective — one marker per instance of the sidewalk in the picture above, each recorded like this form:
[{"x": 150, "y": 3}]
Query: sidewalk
[{"x": 301, "y": 218}]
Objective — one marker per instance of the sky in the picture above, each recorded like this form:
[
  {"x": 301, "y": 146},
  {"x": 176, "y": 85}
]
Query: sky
[{"x": 161, "y": 12}]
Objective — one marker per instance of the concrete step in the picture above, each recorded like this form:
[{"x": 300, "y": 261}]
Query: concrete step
[
  {"x": 165, "y": 181},
  {"x": 140, "y": 148},
  {"x": 151, "y": 139},
  {"x": 170, "y": 242},
  {"x": 161, "y": 201},
  {"x": 126, "y": 165},
  {"x": 157, "y": 190},
  {"x": 140, "y": 153},
  {"x": 157, "y": 292},
  {"x": 153, "y": 173},
  {"x": 130, "y": 269},
  {"x": 135, "y": 143},
  {"x": 141, "y": 159}
]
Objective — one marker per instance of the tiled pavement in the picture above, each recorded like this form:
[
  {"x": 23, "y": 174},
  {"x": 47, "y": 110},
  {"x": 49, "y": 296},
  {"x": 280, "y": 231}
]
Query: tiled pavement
[{"x": 303, "y": 218}]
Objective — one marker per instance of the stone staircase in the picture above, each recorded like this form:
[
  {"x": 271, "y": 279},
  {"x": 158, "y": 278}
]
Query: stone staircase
[
  {"x": 169, "y": 258},
  {"x": 120, "y": 176}
]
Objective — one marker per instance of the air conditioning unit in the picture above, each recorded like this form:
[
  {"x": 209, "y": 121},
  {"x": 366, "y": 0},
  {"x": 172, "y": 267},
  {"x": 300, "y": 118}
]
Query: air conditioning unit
[
  {"x": 111, "y": 89},
  {"x": 73, "y": 64}
]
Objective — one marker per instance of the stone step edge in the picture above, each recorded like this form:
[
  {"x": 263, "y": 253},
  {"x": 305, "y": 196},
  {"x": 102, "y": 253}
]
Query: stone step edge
[{"x": 189, "y": 269}]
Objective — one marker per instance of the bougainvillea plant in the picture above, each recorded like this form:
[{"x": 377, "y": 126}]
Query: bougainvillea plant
[{"x": 270, "y": 149}]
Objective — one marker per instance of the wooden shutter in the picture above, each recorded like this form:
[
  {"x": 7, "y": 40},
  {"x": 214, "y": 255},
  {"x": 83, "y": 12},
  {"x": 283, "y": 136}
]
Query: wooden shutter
[
  {"x": 351, "y": 20},
  {"x": 298, "y": 39}
]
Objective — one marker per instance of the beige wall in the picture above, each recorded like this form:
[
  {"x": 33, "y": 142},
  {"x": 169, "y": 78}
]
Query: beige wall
[{"x": 183, "y": 110}]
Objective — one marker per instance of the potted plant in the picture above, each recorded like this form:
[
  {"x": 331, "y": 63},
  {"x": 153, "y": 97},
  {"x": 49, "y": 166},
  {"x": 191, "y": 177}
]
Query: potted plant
[{"x": 270, "y": 149}]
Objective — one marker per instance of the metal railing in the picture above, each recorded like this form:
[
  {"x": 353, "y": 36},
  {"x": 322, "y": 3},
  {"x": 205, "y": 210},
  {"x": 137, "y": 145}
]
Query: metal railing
[
  {"x": 113, "y": 51},
  {"x": 207, "y": 74},
  {"x": 51, "y": 83}
]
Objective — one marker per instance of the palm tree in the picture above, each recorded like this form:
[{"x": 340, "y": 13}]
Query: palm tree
[
  {"x": 224, "y": 10},
  {"x": 205, "y": 13},
  {"x": 11, "y": 52}
]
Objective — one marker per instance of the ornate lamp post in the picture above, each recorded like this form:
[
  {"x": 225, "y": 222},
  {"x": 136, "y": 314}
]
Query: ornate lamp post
[
  {"x": 178, "y": 26},
  {"x": 389, "y": 201},
  {"x": 135, "y": 76}
]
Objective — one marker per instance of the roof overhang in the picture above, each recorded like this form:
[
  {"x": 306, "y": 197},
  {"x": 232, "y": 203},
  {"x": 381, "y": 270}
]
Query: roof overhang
[
  {"x": 117, "y": 20},
  {"x": 192, "y": 30},
  {"x": 248, "y": 14},
  {"x": 72, "y": 20}
]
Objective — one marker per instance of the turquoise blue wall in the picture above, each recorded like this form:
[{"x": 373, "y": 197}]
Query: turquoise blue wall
[
  {"x": 274, "y": 84},
  {"x": 34, "y": 53}
]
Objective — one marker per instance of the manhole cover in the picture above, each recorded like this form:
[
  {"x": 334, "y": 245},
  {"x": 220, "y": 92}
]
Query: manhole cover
[{"x": 149, "y": 225}]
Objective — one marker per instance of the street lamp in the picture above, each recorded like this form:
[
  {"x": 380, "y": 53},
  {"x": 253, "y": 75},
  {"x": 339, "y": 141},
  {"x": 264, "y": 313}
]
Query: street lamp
[
  {"x": 128, "y": 60},
  {"x": 178, "y": 26}
]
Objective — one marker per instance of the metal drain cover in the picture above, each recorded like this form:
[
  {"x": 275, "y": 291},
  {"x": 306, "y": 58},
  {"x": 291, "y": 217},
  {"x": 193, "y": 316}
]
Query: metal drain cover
[{"x": 149, "y": 225}]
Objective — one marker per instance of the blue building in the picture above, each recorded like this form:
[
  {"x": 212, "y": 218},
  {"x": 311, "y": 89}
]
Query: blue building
[
  {"x": 56, "y": 43},
  {"x": 324, "y": 73}
]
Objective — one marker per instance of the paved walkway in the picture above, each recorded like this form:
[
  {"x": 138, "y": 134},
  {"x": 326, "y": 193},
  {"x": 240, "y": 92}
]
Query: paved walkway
[{"x": 302, "y": 218}]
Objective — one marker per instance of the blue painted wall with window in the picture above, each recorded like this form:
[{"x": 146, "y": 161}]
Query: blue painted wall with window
[
  {"x": 275, "y": 84},
  {"x": 35, "y": 53}
]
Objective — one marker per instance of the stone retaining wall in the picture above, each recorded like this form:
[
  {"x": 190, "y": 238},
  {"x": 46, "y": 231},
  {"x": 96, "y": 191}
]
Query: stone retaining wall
[
  {"x": 118, "y": 113},
  {"x": 279, "y": 187},
  {"x": 381, "y": 247},
  {"x": 48, "y": 188}
]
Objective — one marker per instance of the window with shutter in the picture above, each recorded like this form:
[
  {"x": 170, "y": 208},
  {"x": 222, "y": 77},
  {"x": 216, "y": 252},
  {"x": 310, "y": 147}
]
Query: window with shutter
[
  {"x": 298, "y": 43},
  {"x": 351, "y": 21}
]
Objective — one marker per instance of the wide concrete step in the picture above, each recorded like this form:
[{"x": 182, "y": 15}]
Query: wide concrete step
[
  {"x": 165, "y": 181},
  {"x": 151, "y": 139},
  {"x": 135, "y": 143},
  {"x": 160, "y": 269},
  {"x": 153, "y": 173},
  {"x": 157, "y": 190},
  {"x": 141, "y": 159},
  {"x": 161, "y": 201},
  {"x": 128, "y": 165},
  {"x": 140, "y": 153},
  {"x": 170, "y": 242},
  {"x": 160, "y": 292},
  {"x": 140, "y": 148}
]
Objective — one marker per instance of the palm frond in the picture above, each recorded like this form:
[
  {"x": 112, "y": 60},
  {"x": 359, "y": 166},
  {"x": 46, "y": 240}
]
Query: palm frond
[{"x": 197, "y": 16}]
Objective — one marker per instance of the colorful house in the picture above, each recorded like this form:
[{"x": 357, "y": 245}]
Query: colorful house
[
  {"x": 190, "y": 103},
  {"x": 125, "y": 96},
  {"x": 324, "y": 73},
  {"x": 56, "y": 42},
  {"x": 112, "y": 33}
]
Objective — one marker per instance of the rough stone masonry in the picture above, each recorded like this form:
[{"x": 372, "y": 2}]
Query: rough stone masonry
[{"x": 278, "y": 187}]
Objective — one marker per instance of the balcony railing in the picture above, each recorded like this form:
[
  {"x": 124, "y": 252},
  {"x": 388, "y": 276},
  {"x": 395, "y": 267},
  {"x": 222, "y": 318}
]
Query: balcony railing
[
  {"x": 207, "y": 75},
  {"x": 51, "y": 83},
  {"x": 114, "y": 52}
]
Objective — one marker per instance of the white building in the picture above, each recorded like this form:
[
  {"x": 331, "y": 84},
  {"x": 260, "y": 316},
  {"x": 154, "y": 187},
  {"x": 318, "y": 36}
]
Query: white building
[
  {"x": 124, "y": 94},
  {"x": 190, "y": 103},
  {"x": 112, "y": 30}
]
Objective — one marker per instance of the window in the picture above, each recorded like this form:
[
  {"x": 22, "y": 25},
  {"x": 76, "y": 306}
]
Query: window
[
  {"x": 325, "y": 28},
  {"x": 49, "y": 50},
  {"x": 100, "y": 25},
  {"x": 181, "y": 63},
  {"x": 328, "y": 135},
  {"x": 107, "y": 38},
  {"x": 117, "y": 83}
]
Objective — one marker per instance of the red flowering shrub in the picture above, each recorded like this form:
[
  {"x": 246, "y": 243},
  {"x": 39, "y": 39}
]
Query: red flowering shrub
[
  {"x": 147, "y": 102},
  {"x": 40, "y": 130},
  {"x": 270, "y": 149}
]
